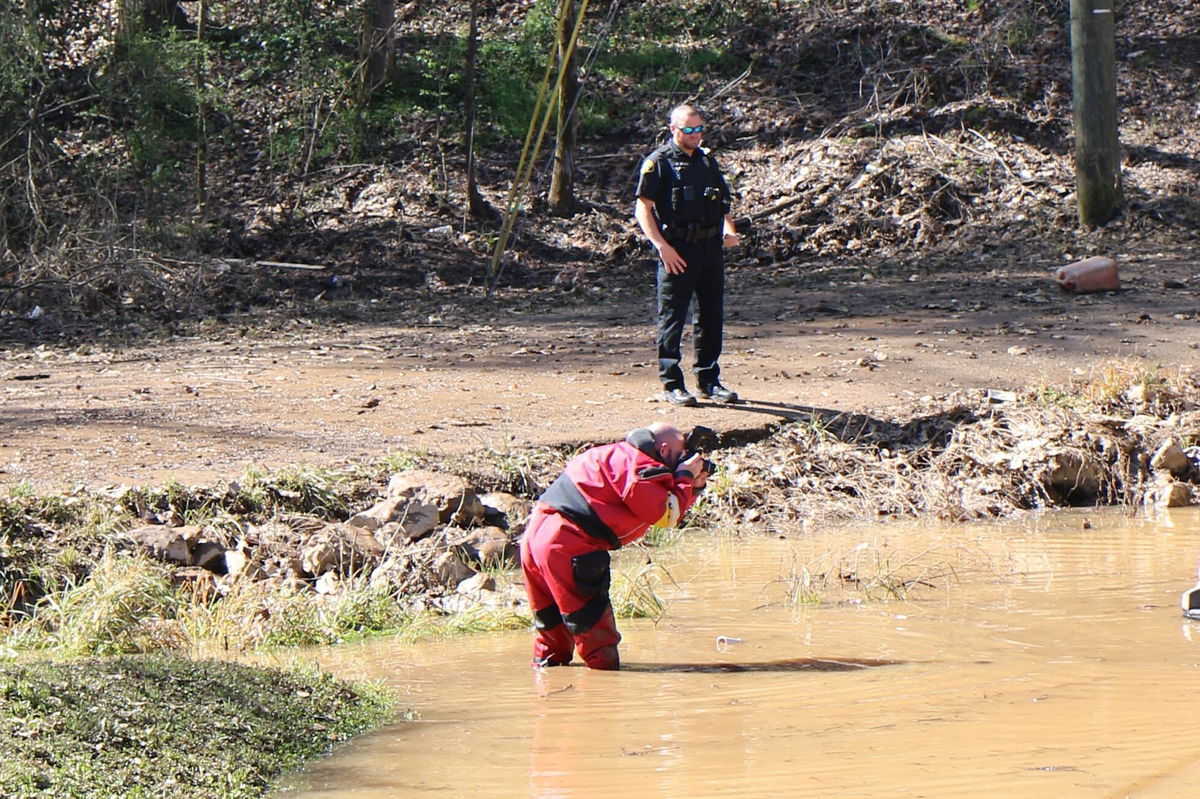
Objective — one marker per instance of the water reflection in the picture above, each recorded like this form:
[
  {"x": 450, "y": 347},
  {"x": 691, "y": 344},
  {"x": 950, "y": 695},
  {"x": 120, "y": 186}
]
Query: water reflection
[
  {"x": 791, "y": 664},
  {"x": 1056, "y": 664}
]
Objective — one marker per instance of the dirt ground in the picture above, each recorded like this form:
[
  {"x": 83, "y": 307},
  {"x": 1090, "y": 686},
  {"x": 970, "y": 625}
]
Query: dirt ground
[
  {"x": 532, "y": 369},
  {"x": 901, "y": 248}
]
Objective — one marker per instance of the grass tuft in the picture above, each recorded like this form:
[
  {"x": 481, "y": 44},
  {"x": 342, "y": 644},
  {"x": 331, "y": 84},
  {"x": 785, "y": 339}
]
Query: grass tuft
[
  {"x": 635, "y": 595},
  {"x": 874, "y": 571},
  {"x": 125, "y": 605}
]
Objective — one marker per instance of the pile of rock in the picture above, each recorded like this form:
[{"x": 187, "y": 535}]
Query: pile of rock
[
  {"x": 429, "y": 542},
  {"x": 972, "y": 459}
]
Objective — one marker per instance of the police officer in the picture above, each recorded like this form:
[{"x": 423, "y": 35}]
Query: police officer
[{"x": 683, "y": 207}]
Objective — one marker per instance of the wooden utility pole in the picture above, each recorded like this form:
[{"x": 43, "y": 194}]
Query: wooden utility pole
[{"x": 1094, "y": 91}]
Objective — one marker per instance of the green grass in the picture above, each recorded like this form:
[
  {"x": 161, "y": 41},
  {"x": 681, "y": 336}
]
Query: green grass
[
  {"x": 308, "y": 619},
  {"x": 128, "y": 605},
  {"x": 425, "y": 625},
  {"x": 167, "y": 727},
  {"x": 658, "y": 537},
  {"x": 302, "y": 488},
  {"x": 124, "y": 605},
  {"x": 326, "y": 492},
  {"x": 402, "y": 461}
]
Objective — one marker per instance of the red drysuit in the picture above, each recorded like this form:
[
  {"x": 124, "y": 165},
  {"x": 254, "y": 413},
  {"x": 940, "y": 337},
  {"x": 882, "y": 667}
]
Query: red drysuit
[{"x": 606, "y": 497}]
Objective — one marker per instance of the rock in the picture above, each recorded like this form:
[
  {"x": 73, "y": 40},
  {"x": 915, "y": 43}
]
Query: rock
[
  {"x": 418, "y": 520},
  {"x": 1070, "y": 473},
  {"x": 376, "y": 516},
  {"x": 406, "y": 518},
  {"x": 237, "y": 562},
  {"x": 367, "y": 545},
  {"x": 418, "y": 569},
  {"x": 1171, "y": 494},
  {"x": 497, "y": 552},
  {"x": 512, "y": 510},
  {"x": 284, "y": 567},
  {"x": 315, "y": 546},
  {"x": 486, "y": 546},
  {"x": 455, "y": 501},
  {"x": 454, "y": 604},
  {"x": 317, "y": 557},
  {"x": 327, "y": 583},
  {"x": 1170, "y": 457},
  {"x": 209, "y": 555},
  {"x": 171, "y": 544},
  {"x": 389, "y": 574},
  {"x": 450, "y": 570},
  {"x": 476, "y": 583},
  {"x": 353, "y": 551}
]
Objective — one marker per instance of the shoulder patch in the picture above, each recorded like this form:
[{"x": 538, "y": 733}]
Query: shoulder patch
[
  {"x": 671, "y": 513},
  {"x": 647, "y": 166}
]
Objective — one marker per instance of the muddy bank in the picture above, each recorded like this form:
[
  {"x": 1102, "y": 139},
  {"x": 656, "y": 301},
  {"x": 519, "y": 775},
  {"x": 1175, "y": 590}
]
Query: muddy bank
[
  {"x": 977, "y": 455},
  {"x": 435, "y": 537}
]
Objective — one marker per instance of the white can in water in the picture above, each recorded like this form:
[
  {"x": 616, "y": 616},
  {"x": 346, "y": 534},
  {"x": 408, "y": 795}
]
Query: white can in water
[{"x": 1190, "y": 602}]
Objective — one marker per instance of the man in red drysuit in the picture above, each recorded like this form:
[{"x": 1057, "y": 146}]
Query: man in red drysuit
[{"x": 606, "y": 497}]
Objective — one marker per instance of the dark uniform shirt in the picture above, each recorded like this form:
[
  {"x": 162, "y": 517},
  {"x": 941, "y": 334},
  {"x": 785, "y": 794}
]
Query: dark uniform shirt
[{"x": 689, "y": 193}]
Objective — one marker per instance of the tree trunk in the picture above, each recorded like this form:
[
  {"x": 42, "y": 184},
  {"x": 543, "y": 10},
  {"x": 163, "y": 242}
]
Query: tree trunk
[
  {"x": 1094, "y": 91},
  {"x": 151, "y": 15},
  {"x": 129, "y": 20},
  {"x": 201, "y": 113},
  {"x": 377, "y": 46},
  {"x": 158, "y": 14},
  {"x": 562, "y": 182},
  {"x": 476, "y": 205}
]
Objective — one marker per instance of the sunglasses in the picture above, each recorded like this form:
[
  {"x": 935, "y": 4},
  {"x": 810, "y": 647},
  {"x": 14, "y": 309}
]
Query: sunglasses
[{"x": 690, "y": 128}]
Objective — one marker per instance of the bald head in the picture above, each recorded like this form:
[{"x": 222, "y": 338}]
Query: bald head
[
  {"x": 669, "y": 443},
  {"x": 682, "y": 114},
  {"x": 686, "y": 116}
]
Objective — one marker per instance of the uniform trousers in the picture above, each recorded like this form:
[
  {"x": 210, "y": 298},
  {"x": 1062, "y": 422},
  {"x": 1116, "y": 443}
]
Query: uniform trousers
[{"x": 703, "y": 279}]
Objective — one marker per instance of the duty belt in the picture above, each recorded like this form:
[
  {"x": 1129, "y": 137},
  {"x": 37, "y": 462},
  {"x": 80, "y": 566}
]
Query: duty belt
[{"x": 693, "y": 233}]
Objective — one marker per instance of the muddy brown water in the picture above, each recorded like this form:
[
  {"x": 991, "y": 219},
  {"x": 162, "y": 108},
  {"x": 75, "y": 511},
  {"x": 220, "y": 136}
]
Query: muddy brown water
[{"x": 1056, "y": 663}]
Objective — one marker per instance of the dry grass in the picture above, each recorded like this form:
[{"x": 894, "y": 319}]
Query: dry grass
[
  {"x": 878, "y": 570},
  {"x": 968, "y": 458},
  {"x": 635, "y": 592},
  {"x": 1122, "y": 383},
  {"x": 125, "y": 605}
]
